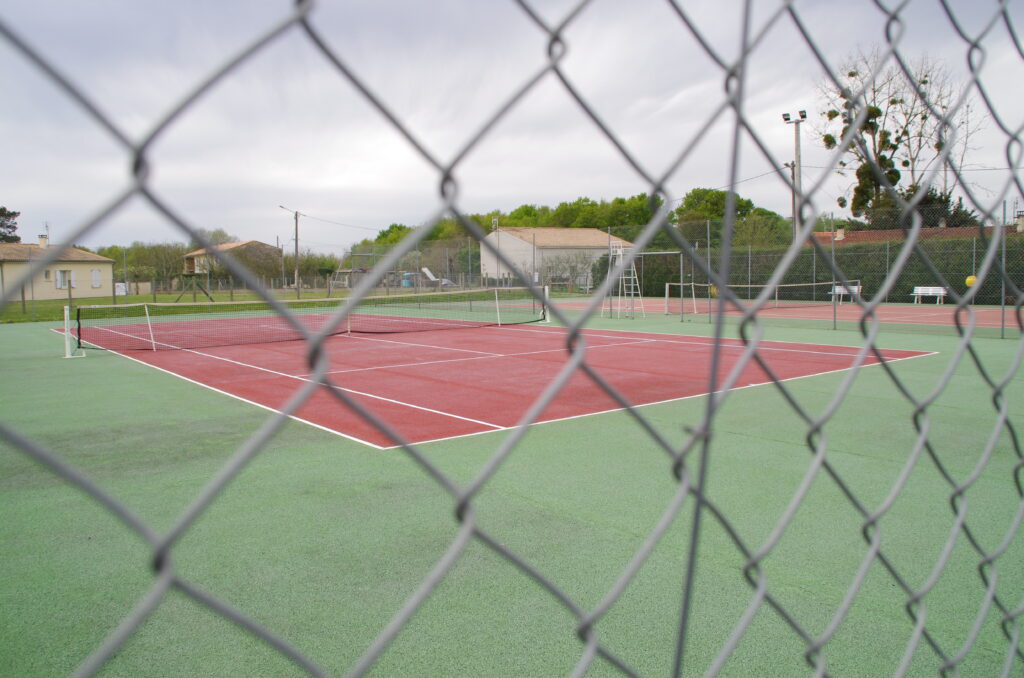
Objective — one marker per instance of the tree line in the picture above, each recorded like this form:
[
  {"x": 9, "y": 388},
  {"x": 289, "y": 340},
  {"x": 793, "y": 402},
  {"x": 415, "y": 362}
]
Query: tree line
[
  {"x": 141, "y": 261},
  {"x": 622, "y": 217}
]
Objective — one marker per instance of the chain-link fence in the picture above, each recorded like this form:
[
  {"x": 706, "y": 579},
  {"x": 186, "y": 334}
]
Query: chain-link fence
[
  {"x": 954, "y": 261},
  {"x": 888, "y": 270}
]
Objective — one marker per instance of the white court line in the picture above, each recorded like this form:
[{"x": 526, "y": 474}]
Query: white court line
[
  {"x": 661, "y": 336},
  {"x": 667, "y": 400},
  {"x": 410, "y": 343},
  {"x": 520, "y": 354},
  {"x": 340, "y": 388},
  {"x": 670, "y": 339}
]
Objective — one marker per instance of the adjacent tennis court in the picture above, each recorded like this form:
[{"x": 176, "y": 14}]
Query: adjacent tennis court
[{"x": 436, "y": 384}]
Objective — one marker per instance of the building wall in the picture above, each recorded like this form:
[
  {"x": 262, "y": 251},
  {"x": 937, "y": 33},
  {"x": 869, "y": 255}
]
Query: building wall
[
  {"x": 571, "y": 265},
  {"x": 549, "y": 263},
  {"x": 521, "y": 254},
  {"x": 50, "y": 282}
]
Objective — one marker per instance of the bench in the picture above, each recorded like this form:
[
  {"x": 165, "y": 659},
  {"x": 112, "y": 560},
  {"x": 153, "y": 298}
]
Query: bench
[
  {"x": 847, "y": 290},
  {"x": 938, "y": 292}
]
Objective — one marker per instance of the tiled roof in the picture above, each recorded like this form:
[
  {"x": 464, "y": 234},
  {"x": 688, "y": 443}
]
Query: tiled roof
[
  {"x": 897, "y": 234},
  {"x": 16, "y": 251},
  {"x": 564, "y": 237},
  {"x": 228, "y": 246}
]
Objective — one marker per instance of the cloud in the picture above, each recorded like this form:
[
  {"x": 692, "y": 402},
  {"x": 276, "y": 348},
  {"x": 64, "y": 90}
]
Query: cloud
[{"x": 287, "y": 127}]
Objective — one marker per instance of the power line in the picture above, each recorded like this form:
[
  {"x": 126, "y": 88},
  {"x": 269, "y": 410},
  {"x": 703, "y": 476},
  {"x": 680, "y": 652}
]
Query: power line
[
  {"x": 339, "y": 223},
  {"x": 774, "y": 171}
]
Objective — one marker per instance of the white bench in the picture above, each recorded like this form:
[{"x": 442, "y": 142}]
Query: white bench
[
  {"x": 938, "y": 292},
  {"x": 847, "y": 290}
]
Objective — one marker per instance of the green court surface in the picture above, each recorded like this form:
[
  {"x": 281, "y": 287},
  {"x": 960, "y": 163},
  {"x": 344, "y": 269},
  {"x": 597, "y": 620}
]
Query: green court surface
[{"x": 321, "y": 540}]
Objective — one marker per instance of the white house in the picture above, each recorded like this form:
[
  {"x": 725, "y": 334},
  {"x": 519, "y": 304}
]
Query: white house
[
  {"x": 548, "y": 255},
  {"x": 75, "y": 273}
]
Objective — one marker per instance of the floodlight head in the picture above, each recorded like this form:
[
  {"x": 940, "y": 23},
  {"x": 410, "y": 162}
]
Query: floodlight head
[
  {"x": 785, "y": 117},
  {"x": 803, "y": 115}
]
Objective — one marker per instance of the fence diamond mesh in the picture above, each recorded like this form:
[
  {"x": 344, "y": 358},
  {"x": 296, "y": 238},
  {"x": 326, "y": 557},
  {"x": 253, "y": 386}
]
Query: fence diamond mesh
[{"x": 987, "y": 623}]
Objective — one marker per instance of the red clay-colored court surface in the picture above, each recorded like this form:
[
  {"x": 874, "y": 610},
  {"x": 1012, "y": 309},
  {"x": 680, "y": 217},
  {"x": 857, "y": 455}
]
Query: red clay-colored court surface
[{"x": 442, "y": 384}]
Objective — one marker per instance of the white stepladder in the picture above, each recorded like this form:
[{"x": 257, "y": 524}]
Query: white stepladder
[{"x": 629, "y": 297}]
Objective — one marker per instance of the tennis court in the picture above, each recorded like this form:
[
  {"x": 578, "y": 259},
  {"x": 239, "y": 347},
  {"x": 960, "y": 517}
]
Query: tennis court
[{"x": 435, "y": 384}]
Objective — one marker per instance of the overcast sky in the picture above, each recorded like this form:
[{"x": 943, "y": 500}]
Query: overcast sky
[{"x": 286, "y": 128}]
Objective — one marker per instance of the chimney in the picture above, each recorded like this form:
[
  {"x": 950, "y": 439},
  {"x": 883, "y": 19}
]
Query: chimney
[{"x": 44, "y": 240}]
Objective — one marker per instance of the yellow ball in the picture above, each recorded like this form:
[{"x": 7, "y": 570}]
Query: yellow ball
[{"x": 971, "y": 280}]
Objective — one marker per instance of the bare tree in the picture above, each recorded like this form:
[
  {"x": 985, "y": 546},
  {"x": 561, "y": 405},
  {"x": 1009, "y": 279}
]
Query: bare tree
[{"x": 908, "y": 123}]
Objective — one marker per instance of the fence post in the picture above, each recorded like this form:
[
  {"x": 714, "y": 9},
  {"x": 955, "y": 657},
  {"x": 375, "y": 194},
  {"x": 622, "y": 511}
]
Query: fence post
[
  {"x": 748, "y": 270},
  {"x": 1002, "y": 277},
  {"x": 707, "y": 225},
  {"x": 887, "y": 268},
  {"x": 814, "y": 264},
  {"x": 835, "y": 307}
]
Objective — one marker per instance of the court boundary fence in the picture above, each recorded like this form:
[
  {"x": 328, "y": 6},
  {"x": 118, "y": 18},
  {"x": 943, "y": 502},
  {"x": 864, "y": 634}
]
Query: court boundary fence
[{"x": 688, "y": 463}]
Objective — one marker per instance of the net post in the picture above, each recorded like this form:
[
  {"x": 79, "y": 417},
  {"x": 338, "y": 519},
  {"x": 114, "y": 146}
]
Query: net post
[
  {"x": 545, "y": 318},
  {"x": 149, "y": 326},
  {"x": 70, "y": 352},
  {"x": 497, "y": 307}
]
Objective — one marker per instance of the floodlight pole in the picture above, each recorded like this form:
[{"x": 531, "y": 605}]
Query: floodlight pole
[
  {"x": 797, "y": 188},
  {"x": 298, "y": 288},
  {"x": 497, "y": 247}
]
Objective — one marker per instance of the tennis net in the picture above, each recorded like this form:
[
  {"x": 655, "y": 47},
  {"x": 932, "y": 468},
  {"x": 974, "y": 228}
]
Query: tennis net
[
  {"x": 694, "y": 297},
  {"x": 156, "y": 326}
]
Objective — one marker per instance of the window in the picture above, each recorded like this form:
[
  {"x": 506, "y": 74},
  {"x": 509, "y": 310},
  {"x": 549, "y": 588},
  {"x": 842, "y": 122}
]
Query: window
[
  {"x": 46, "y": 274},
  {"x": 96, "y": 281},
  {"x": 65, "y": 278}
]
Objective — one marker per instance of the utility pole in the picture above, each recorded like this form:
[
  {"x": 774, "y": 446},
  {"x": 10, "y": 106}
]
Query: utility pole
[{"x": 298, "y": 287}]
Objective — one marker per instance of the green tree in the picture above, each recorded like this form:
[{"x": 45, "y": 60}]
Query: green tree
[
  {"x": 709, "y": 203},
  {"x": 393, "y": 234},
  {"x": 761, "y": 228},
  {"x": 528, "y": 216},
  {"x": 627, "y": 216},
  {"x": 217, "y": 236},
  {"x": 936, "y": 208},
  {"x": 161, "y": 261},
  {"x": 260, "y": 261},
  {"x": 702, "y": 208},
  {"x": 9, "y": 225}
]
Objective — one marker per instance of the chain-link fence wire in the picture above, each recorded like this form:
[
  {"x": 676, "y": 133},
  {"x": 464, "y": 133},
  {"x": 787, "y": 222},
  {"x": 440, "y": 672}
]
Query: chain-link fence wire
[{"x": 905, "y": 262}]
